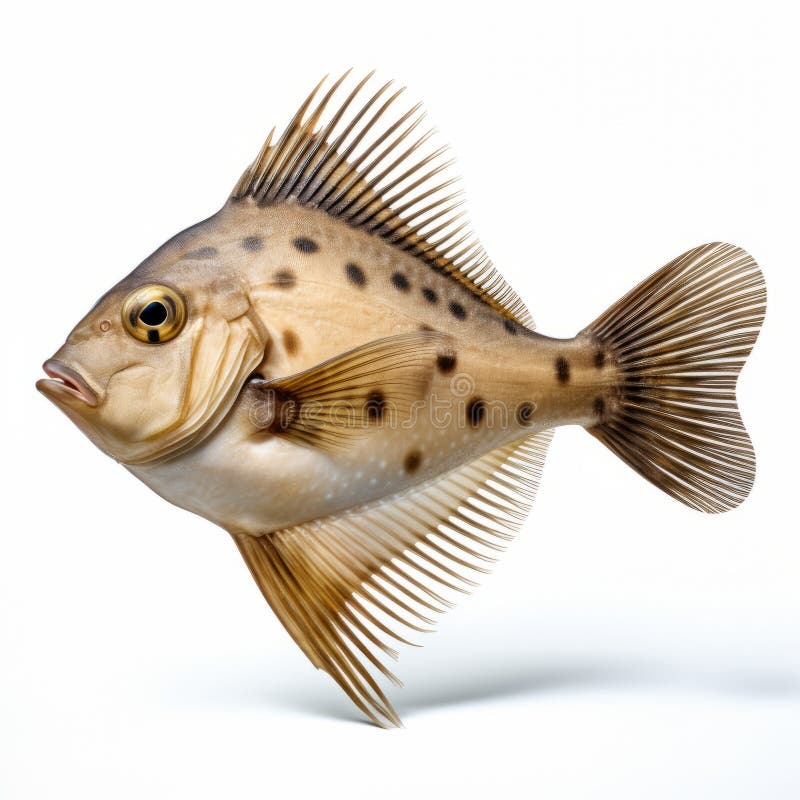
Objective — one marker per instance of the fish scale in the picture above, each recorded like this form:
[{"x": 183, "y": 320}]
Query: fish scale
[{"x": 332, "y": 370}]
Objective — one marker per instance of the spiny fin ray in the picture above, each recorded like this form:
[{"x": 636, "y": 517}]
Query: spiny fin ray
[{"x": 363, "y": 171}]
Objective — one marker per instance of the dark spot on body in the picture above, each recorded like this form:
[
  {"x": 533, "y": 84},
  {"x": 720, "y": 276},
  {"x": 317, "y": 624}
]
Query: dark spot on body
[
  {"x": 290, "y": 342},
  {"x": 285, "y": 279},
  {"x": 510, "y": 326},
  {"x": 203, "y": 252},
  {"x": 305, "y": 245},
  {"x": 252, "y": 243},
  {"x": 599, "y": 407},
  {"x": 399, "y": 281},
  {"x": 429, "y": 295},
  {"x": 412, "y": 461},
  {"x": 355, "y": 275},
  {"x": 525, "y": 413},
  {"x": 600, "y": 359},
  {"x": 446, "y": 362},
  {"x": 457, "y": 310},
  {"x": 562, "y": 369},
  {"x": 476, "y": 411},
  {"x": 376, "y": 405},
  {"x": 424, "y": 327}
]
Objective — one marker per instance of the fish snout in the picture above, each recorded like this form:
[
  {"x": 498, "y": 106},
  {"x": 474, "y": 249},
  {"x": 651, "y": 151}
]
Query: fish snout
[{"x": 64, "y": 382}]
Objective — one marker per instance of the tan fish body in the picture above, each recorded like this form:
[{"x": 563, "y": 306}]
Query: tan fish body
[
  {"x": 314, "y": 308},
  {"x": 330, "y": 369}
]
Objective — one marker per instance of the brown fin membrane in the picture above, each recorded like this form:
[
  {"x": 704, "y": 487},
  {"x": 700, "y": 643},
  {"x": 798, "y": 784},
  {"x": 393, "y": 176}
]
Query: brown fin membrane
[
  {"x": 679, "y": 340},
  {"x": 344, "y": 584},
  {"x": 345, "y": 397},
  {"x": 375, "y": 171}
]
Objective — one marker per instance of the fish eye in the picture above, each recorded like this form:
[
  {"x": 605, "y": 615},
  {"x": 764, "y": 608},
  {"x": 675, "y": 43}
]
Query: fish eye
[{"x": 153, "y": 313}]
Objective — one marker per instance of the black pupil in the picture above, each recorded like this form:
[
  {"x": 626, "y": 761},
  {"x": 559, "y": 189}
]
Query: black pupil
[{"x": 153, "y": 313}]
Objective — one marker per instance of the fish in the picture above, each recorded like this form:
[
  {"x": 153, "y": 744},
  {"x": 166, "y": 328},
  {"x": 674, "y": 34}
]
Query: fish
[{"x": 331, "y": 369}]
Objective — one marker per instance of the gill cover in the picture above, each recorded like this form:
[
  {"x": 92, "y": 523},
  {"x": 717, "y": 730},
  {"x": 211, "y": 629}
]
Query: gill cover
[
  {"x": 219, "y": 345},
  {"x": 166, "y": 352}
]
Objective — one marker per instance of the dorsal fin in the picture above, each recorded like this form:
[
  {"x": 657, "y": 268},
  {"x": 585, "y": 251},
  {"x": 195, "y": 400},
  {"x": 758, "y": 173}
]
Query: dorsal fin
[{"x": 376, "y": 171}]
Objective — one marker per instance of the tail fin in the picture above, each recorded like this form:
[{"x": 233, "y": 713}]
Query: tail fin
[{"x": 679, "y": 340}]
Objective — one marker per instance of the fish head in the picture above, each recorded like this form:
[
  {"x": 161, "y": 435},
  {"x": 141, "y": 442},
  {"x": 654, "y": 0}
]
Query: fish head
[{"x": 160, "y": 359}]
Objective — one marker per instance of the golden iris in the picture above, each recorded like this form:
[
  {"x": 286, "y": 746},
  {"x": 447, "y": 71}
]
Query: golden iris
[{"x": 154, "y": 313}]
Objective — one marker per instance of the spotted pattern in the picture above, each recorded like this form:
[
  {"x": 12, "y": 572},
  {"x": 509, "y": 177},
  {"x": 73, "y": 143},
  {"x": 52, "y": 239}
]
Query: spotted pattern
[
  {"x": 284, "y": 279},
  {"x": 252, "y": 243},
  {"x": 599, "y": 407},
  {"x": 412, "y": 461},
  {"x": 375, "y": 405},
  {"x": 476, "y": 411},
  {"x": 355, "y": 275},
  {"x": 430, "y": 295},
  {"x": 399, "y": 281},
  {"x": 600, "y": 359},
  {"x": 446, "y": 362},
  {"x": 290, "y": 341},
  {"x": 305, "y": 245},
  {"x": 510, "y": 326},
  {"x": 562, "y": 369},
  {"x": 457, "y": 310}
]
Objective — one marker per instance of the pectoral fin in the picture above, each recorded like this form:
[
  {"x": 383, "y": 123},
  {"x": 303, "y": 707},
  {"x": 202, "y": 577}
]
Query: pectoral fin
[{"x": 344, "y": 398}]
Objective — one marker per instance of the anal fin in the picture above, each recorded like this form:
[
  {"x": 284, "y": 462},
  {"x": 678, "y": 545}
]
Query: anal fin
[{"x": 344, "y": 584}]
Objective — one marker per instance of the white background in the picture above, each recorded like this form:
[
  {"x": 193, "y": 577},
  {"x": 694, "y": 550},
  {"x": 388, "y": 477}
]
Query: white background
[{"x": 625, "y": 646}]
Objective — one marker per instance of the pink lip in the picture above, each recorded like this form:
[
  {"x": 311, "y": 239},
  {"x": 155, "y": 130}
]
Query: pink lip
[{"x": 65, "y": 380}]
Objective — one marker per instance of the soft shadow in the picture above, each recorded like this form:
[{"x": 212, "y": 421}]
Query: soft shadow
[
  {"x": 318, "y": 695},
  {"x": 498, "y": 681},
  {"x": 454, "y": 682},
  {"x": 456, "y": 685},
  {"x": 536, "y": 678}
]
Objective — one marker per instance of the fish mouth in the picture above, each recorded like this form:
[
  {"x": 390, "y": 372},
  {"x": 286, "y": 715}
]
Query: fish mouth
[{"x": 63, "y": 382}]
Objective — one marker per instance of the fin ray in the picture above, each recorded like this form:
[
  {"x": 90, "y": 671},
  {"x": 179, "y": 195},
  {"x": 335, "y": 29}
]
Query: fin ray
[
  {"x": 344, "y": 582},
  {"x": 338, "y": 400},
  {"x": 679, "y": 340},
  {"x": 366, "y": 175}
]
